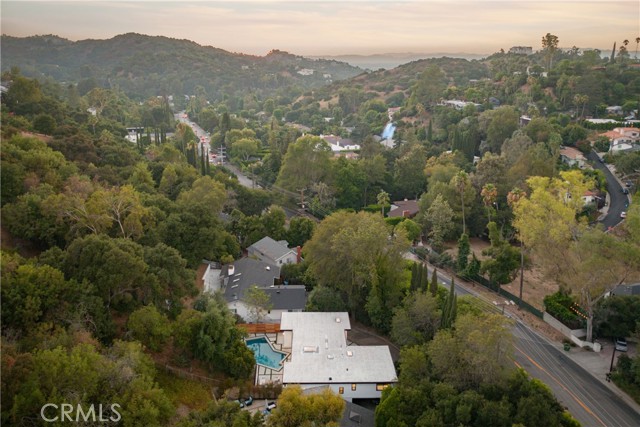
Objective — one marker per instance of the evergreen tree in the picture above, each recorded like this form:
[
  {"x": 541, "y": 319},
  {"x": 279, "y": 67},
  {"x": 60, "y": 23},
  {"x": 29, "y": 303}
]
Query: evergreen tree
[
  {"x": 463, "y": 253},
  {"x": 434, "y": 283},
  {"x": 473, "y": 269},
  {"x": 414, "y": 276},
  {"x": 430, "y": 131},
  {"x": 449, "y": 309},
  {"x": 424, "y": 279}
]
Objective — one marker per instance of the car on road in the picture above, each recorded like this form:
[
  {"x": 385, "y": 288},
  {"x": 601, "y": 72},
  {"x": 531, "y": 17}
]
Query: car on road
[
  {"x": 623, "y": 214},
  {"x": 621, "y": 344},
  {"x": 628, "y": 183},
  {"x": 625, "y": 190},
  {"x": 271, "y": 405}
]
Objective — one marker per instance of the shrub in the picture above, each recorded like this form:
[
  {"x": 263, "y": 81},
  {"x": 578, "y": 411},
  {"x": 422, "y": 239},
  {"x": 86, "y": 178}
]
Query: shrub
[{"x": 558, "y": 305}]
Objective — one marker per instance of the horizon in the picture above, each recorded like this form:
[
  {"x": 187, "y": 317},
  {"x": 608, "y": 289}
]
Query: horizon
[{"x": 312, "y": 28}]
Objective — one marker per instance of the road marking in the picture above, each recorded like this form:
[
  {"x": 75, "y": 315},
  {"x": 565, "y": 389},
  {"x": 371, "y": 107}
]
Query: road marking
[{"x": 562, "y": 385}]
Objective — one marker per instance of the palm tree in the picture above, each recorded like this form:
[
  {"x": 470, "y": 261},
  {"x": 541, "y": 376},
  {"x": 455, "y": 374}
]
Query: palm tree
[
  {"x": 637, "y": 43},
  {"x": 512, "y": 199},
  {"x": 489, "y": 195},
  {"x": 461, "y": 182},
  {"x": 383, "y": 200}
]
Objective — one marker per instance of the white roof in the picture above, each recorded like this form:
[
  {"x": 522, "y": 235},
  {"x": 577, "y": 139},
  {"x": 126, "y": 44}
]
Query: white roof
[{"x": 320, "y": 355}]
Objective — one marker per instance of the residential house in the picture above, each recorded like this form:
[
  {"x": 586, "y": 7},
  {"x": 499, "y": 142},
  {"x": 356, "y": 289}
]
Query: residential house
[
  {"x": 339, "y": 144},
  {"x": 321, "y": 356},
  {"x": 572, "y": 157},
  {"x": 623, "y": 139},
  {"x": 404, "y": 208},
  {"x": 273, "y": 252},
  {"x": 234, "y": 280},
  {"x": 458, "y": 104},
  {"x": 614, "y": 110},
  {"x": 521, "y": 50}
]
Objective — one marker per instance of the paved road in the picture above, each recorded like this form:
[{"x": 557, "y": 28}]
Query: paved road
[
  {"x": 617, "y": 199},
  {"x": 586, "y": 398}
]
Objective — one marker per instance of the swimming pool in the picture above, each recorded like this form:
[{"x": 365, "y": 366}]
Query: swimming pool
[{"x": 265, "y": 354}]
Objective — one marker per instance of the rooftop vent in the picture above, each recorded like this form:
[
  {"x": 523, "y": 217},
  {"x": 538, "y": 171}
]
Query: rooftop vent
[
  {"x": 338, "y": 320},
  {"x": 267, "y": 268},
  {"x": 330, "y": 356},
  {"x": 349, "y": 353},
  {"x": 310, "y": 349}
]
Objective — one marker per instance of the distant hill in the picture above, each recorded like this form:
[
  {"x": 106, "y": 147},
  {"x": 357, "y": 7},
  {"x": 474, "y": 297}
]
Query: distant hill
[
  {"x": 392, "y": 60},
  {"x": 146, "y": 66}
]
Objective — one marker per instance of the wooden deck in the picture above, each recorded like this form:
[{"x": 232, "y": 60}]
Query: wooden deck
[{"x": 260, "y": 328}]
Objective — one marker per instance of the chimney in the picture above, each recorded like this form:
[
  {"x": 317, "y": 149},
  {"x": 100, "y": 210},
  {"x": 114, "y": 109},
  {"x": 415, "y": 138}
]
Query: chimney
[{"x": 298, "y": 254}]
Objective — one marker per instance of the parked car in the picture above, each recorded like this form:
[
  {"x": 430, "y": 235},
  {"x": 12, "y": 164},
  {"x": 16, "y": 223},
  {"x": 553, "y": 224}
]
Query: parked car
[
  {"x": 621, "y": 344},
  {"x": 625, "y": 190},
  {"x": 239, "y": 402},
  {"x": 248, "y": 401},
  {"x": 271, "y": 405},
  {"x": 623, "y": 214}
]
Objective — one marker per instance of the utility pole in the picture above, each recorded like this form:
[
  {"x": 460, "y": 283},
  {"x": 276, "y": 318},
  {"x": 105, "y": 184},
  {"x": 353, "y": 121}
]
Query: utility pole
[{"x": 301, "y": 203}]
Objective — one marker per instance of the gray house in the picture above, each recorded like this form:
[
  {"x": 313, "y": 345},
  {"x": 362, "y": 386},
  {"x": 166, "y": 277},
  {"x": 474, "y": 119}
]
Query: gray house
[
  {"x": 234, "y": 281},
  {"x": 273, "y": 252}
]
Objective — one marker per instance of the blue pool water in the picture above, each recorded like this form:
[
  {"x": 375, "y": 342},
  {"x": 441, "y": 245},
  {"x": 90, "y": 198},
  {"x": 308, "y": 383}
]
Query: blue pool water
[{"x": 265, "y": 354}]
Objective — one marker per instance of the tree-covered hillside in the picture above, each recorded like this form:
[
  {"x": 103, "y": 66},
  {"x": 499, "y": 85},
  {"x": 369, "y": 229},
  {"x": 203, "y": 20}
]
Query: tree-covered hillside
[{"x": 144, "y": 66}]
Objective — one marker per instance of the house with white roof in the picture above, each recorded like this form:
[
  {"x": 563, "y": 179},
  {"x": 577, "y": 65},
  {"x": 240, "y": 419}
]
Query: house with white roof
[
  {"x": 273, "y": 252},
  {"x": 235, "y": 280},
  {"x": 321, "y": 356},
  {"x": 339, "y": 144}
]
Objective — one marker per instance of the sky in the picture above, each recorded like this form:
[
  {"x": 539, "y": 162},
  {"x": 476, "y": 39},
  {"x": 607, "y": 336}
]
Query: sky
[{"x": 332, "y": 27}]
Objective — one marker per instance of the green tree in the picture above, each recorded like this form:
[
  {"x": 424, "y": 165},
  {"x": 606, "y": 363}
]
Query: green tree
[
  {"x": 259, "y": 303},
  {"x": 244, "y": 148},
  {"x": 150, "y": 327},
  {"x": 352, "y": 252},
  {"x": 449, "y": 308},
  {"x": 417, "y": 320},
  {"x": 218, "y": 343},
  {"x": 464, "y": 249},
  {"x": 476, "y": 352},
  {"x": 439, "y": 217},
  {"x": 505, "y": 259},
  {"x": 410, "y": 228},
  {"x": 300, "y": 231},
  {"x": 324, "y": 298},
  {"x": 44, "y": 123},
  {"x": 305, "y": 163}
]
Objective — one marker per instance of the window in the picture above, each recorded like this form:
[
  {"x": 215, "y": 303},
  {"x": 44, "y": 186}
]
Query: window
[
  {"x": 341, "y": 390},
  {"x": 380, "y": 387},
  {"x": 353, "y": 387}
]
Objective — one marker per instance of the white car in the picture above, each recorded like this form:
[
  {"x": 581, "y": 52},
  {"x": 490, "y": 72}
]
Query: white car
[
  {"x": 623, "y": 214},
  {"x": 621, "y": 344}
]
